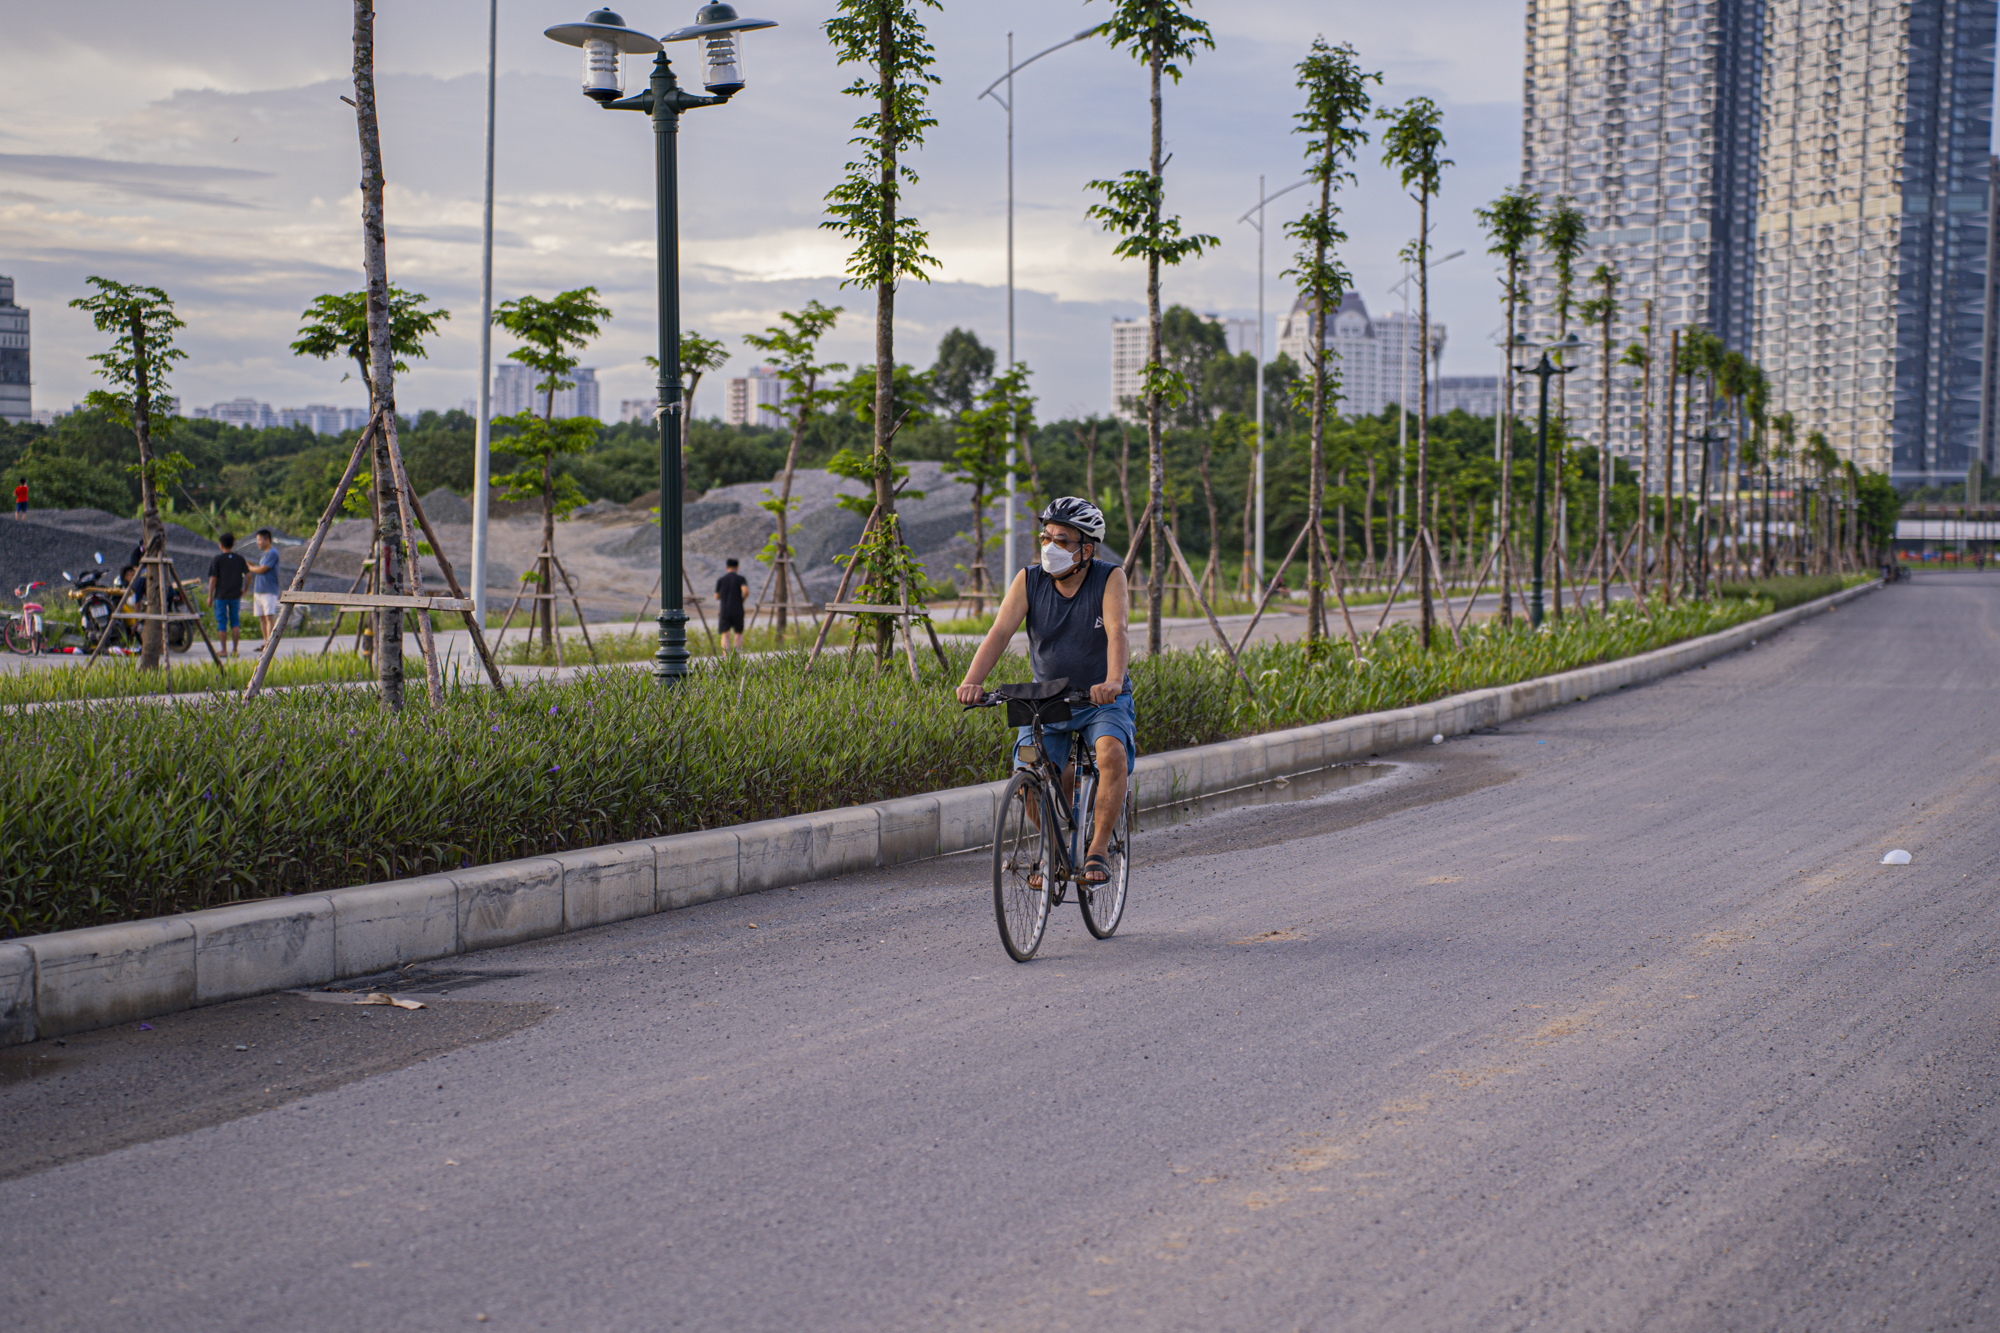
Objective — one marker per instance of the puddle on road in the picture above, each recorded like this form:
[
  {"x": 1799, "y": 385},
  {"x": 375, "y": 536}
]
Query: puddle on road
[
  {"x": 21, "y": 1063},
  {"x": 1278, "y": 791}
]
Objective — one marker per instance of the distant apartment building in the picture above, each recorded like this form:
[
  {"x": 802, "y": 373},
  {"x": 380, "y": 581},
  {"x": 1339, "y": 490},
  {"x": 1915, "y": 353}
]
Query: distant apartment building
[
  {"x": 756, "y": 399},
  {"x": 1128, "y": 364},
  {"x": 323, "y": 420},
  {"x": 1239, "y": 334},
  {"x": 1474, "y": 395},
  {"x": 1377, "y": 360},
  {"x": 514, "y": 392},
  {"x": 244, "y": 412},
  {"x": 16, "y": 384},
  {"x": 638, "y": 409}
]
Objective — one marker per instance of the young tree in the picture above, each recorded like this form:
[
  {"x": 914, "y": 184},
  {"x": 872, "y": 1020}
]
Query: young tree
[
  {"x": 698, "y": 356},
  {"x": 793, "y": 350},
  {"x": 1336, "y": 113},
  {"x": 1411, "y": 145},
  {"x": 337, "y": 325},
  {"x": 887, "y": 37},
  {"x": 1004, "y": 413},
  {"x": 1511, "y": 223},
  {"x": 1161, "y": 35},
  {"x": 1563, "y": 233},
  {"x": 554, "y": 332},
  {"x": 141, "y": 321},
  {"x": 1602, "y": 310}
]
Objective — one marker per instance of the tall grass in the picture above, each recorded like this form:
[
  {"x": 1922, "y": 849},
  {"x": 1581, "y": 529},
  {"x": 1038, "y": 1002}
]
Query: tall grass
[
  {"x": 1790, "y": 590},
  {"x": 123, "y": 811},
  {"x": 121, "y": 678}
]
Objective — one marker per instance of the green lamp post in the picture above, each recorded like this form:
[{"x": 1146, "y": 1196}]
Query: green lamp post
[
  {"x": 1544, "y": 370},
  {"x": 606, "y": 41}
]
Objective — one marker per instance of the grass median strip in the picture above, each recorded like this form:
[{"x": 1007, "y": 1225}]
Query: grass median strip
[{"x": 117, "y": 811}]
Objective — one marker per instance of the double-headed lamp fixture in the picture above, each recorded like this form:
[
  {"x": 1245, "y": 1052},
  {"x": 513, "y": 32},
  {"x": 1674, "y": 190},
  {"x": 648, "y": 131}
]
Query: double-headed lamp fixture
[{"x": 606, "y": 41}]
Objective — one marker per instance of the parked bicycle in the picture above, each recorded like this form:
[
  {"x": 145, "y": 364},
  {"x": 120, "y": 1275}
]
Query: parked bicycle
[
  {"x": 1045, "y": 824},
  {"x": 26, "y": 630}
]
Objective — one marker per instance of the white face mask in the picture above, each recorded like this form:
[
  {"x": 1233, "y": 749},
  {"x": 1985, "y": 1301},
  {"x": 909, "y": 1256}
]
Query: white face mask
[{"x": 1056, "y": 561}]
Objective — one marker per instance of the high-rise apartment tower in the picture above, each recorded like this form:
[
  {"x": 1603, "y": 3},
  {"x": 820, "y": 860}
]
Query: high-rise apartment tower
[{"x": 1806, "y": 179}]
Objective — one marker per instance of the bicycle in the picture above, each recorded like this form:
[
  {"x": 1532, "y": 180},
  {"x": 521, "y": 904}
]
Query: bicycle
[
  {"x": 24, "y": 629},
  {"x": 1038, "y": 838}
]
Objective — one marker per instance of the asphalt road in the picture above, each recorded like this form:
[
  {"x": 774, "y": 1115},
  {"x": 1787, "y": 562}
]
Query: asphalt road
[{"x": 1607, "y": 1020}]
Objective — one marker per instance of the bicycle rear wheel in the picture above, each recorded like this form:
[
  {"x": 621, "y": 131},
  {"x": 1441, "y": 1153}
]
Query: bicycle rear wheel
[
  {"x": 1021, "y": 853},
  {"x": 21, "y": 636},
  {"x": 1104, "y": 904}
]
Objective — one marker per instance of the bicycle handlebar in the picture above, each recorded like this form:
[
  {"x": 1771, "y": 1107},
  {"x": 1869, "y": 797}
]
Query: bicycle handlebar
[{"x": 993, "y": 699}]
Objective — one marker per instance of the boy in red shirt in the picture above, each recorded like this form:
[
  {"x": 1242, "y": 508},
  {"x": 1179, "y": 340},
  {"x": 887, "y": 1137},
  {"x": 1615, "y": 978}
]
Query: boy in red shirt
[{"x": 21, "y": 500}]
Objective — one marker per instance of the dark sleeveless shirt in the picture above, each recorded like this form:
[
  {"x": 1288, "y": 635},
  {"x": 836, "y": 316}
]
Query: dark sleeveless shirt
[{"x": 1066, "y": 636}]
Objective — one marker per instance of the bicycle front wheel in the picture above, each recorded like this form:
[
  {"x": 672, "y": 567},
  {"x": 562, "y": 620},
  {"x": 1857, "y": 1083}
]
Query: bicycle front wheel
[
  {"x": 21, "y": 636},
  {"x": 1020, "y": 859},
  {"x": 1104, "y": 904}
]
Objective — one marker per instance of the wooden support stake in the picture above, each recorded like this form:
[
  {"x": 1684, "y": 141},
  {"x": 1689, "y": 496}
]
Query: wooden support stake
[
  {"x": 1272, "y": 587},
  {"x": 847, "y": 577},
  {"x": 451, "y": 581},
  {"x": 1334, "y": 568},
  {"x": 1395, "y": 588},
  {"x": 333, "y": 507},
  {"x": 1478, "y": 581},
  {"x": 1437, "y": 568},
  {"x": 433, "y": 679},
  {"x": 1195, "y": 592}
]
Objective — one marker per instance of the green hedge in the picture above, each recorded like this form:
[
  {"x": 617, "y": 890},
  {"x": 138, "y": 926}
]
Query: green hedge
[{"x": 124, "y": 810}]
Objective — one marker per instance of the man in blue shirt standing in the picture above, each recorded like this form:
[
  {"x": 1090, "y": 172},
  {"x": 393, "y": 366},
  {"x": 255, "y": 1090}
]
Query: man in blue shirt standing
[{"x": 264, "y": 591}]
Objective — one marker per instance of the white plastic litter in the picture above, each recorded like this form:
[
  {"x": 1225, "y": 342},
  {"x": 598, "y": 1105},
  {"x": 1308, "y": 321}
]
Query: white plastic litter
[
  {"x": 1899, "y": 857},
  {"x": 1438, "y": 739}
]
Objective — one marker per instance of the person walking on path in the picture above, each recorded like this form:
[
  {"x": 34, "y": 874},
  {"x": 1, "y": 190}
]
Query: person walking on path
[
  {"x": 729, "y": 591},
  {"x": 227, "y": 574},
  {"x": 265, "y": 590},
  {"x": 21, "y": 499},
  {"x": 1074, "y": 605}
]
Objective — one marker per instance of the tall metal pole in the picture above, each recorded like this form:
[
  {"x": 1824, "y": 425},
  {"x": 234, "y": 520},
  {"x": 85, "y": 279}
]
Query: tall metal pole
[
  {"x": 482, "y": 450},
  {"x": 1258, "y": 457},
  {"x": 1013, "y": 446},
  {"x": 671, "y": 661},
  {"x": 1261, "y": 201}
]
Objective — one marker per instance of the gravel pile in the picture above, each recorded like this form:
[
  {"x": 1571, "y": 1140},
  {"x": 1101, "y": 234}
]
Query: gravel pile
[{"x": 50, "y": 541}]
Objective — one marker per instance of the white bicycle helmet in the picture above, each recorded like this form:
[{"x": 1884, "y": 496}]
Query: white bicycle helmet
[{"x": 1074, "y": 512}]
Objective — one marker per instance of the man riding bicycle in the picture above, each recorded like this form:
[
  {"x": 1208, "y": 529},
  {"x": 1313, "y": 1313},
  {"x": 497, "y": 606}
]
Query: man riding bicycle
[{"x": 1075, "y": 608}]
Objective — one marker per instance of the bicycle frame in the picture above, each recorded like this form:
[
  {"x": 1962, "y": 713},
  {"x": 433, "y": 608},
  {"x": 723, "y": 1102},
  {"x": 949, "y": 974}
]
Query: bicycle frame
[{"x": 1066, "y": 843}]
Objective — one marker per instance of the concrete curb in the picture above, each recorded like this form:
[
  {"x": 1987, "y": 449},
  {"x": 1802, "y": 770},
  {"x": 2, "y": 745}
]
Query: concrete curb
[{"x": 76, "y": 980}]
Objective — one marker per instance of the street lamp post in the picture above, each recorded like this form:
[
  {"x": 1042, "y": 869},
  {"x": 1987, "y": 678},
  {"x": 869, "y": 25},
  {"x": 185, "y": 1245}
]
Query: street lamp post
[
  {"x": 1544, "y": 370},
  {"x": 605, "y": 40},
  {"x": 1258, "y": 213},
  {"x": 1007, "y": 105}
]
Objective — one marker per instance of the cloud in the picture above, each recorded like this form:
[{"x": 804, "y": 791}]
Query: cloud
[{"x": 147, "y": 180}]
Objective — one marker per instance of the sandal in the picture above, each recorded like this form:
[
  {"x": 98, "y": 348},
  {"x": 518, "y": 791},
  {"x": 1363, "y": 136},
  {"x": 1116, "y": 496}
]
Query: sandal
[{"x": 1096, "y": 871}]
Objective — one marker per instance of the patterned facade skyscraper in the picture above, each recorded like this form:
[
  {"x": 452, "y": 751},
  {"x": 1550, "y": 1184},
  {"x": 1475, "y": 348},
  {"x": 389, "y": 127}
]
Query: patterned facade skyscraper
[
  {"x": 1643, "y": 113},
  {"x": 1872, "y": 227},
  {"x": 1806, "y": 179}
]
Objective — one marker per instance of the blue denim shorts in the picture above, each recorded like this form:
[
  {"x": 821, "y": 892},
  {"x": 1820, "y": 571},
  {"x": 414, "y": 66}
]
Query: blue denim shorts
[
  {"x": 1096, "y": 721},
  {"x": 228, "y": 614}
]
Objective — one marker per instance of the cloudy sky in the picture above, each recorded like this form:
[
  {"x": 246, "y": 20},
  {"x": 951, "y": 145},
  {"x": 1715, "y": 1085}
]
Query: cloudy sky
[{"x": 207, "y": 152}]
